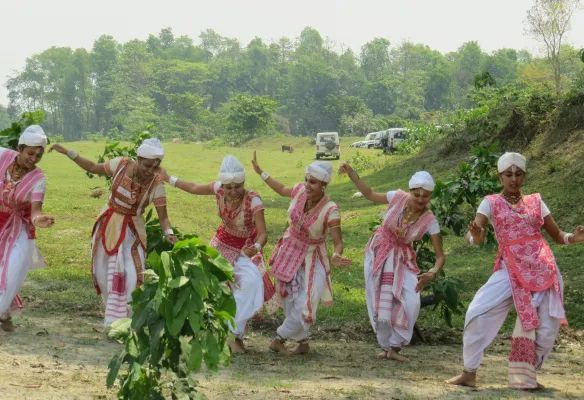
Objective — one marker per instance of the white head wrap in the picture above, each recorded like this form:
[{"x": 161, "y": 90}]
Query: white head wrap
[
  {"x": 231, "y": 171},
  {"x": 33, "y": 136},
  {"x": 151, "y": 149},
  {"x": 422, "y": 179},
  {"x": 509, "y": 159},
  {"x": 320, "y": 170}
]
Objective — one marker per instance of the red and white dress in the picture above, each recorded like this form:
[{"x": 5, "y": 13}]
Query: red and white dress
[
  {"x": 391, "y": 272},
  {"x": 300, "y": 263},
  {"x": 119, "y": 239},
  {"x": 526, "y": 276},
  {"x": 18, "y": 250},
  {"x": 237, "y": 230}
]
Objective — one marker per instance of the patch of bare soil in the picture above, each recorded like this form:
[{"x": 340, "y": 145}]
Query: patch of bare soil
[{"x": 65, "y": 357}]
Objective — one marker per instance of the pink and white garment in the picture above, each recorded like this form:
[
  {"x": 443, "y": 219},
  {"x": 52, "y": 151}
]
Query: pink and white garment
[
  {"x": 18, "y": 250},
  {"x": 391, "y": 273},
  {"x": 300, "y": 263},
  {"x": 526, "y": 276},
  {"x": 119, "y": 239},
  {"x": 237, "y": 230}
]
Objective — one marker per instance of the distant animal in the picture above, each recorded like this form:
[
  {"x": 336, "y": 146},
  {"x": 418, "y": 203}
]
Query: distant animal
[{"x": 288, "y": 148}]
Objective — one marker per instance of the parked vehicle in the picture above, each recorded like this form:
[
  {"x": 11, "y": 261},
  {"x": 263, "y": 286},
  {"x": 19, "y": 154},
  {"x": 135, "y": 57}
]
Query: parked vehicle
[
  {"x": 328, "y": 145},
  {"x": 373, "y": 140},
  {"x": 391, "y": 138},
  {"x": 359, "y": 144}
]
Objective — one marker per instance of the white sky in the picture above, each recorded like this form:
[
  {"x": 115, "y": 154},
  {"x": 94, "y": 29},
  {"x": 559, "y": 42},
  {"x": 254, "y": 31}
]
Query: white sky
[{"x": 28, "y": 27}]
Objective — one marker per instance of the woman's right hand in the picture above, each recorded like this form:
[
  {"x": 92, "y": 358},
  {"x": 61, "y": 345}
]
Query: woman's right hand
[
  {"x": 58, "y": 148},
  {"x": 345, "y": 168},
  {"x": 163, "y": 174},
  {"x": 255, "y": 165},
  {"x": 475, "y": 230}
]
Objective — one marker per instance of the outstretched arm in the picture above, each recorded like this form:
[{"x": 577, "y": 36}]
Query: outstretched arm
[
  {"x": 189, "y": 187},
  {"x": 276, "y": 186},
  {"x": 369, "y": 194},
  {"x": 87, "y": 165}
]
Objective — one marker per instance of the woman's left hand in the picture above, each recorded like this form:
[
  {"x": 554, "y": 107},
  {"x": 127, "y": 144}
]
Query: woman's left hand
[
  {"x": 424, "y": 279},
  {"x": 340, "y": 261},
  {"x": 172, "y": 239},
  {"x": 43, "y": 221},
  {"x": 578, "y": 234},
  {"x": 249, "y": 251}
]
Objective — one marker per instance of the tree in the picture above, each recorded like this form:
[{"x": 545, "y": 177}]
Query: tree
[
  {"x": 548, "y": 21},
  {"x": 375, "y": 58},
  {"x": 249, "y": 116}
]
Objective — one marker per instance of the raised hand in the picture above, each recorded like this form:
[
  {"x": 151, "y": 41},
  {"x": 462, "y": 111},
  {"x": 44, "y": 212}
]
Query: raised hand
[
  {"x": 255, "y": 165},
  {"x": 345, "y": 168},
  {"x": 58, "y": 148},
  {"x": 578, "y": 234}
]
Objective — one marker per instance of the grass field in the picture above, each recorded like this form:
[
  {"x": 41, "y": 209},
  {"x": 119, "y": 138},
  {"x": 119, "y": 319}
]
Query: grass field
[{"x": 63, "y": 293}]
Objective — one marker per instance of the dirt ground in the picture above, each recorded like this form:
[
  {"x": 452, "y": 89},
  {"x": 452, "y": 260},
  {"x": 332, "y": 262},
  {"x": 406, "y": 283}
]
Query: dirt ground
[{"x": 60, "y": 357}]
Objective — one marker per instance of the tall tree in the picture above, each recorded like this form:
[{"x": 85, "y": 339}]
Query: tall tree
[{"x": 548, "y": 21}]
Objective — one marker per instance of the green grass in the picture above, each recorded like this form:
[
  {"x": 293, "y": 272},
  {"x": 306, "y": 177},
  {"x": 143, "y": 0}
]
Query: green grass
[{"x": 66, "y": 285}]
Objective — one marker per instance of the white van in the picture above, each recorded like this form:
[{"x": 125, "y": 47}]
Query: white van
[
  {"x": 392, "y": 137},
  {"x": 328, "y": 145}
]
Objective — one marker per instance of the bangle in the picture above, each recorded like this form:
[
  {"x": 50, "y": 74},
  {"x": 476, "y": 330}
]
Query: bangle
[
  {"x": 264, "y": 175},
  {"x": 434, "y": 270},
  {"x": 567, "y": 237},
  {"x": 34, "y": 220},
  {"x": 168, "y": 232},
  {"x": 470, "y": 238},
  {"x": 172, "y": 181},
  {"x": 72, "y": 154},
  {"x": 257, "y": 246},
  {"x": 335, "y": 254}
]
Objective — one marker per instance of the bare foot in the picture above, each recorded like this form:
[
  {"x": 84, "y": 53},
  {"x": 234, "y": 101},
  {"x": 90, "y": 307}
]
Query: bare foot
[
  {"x": 465, "y": 379},
  {"x": 302, "y": 348},
  {"x": 394, "y": 355},
  {"x": 278, "y": 346},
  {"x": 237, "y": 346},
  {"x": 382, "y": 355},
  {"x": 7, "y": 325}
]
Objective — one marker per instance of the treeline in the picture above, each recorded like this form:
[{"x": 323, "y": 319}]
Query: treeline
[{"x": 219, "y": 87}]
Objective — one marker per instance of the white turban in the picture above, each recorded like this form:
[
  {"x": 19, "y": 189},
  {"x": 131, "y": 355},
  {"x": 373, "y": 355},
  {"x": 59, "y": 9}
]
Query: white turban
[
  {"x": 151, "y": 149},
  {"x": 508, "y": 159},
  {"x": 231, "y": 171},
  {"x": 320, "y": 170},
  {"x": 33, "y": 136},
  {"x": 422, "y": 179}
]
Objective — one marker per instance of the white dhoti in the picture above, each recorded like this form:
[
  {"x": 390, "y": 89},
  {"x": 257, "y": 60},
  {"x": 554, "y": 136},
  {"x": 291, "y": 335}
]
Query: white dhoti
[
  {"x": 23, "y": 257},
  {"x": 488, "y": 310},
  {"x": 248, "y": 292},
  {"x": 388, "y": 335},
  {"x": 121, "y": 264},
  {"x": 294, "y": 326}
]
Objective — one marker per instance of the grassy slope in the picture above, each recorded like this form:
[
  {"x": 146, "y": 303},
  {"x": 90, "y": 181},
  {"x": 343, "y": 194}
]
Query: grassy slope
[{"x": 66, "y": 284}]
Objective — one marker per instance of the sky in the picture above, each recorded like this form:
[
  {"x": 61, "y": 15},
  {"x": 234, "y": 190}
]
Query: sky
[{"x": 28, "y": 27}]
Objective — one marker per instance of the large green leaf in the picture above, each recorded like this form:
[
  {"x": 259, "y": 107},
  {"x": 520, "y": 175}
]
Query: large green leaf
[{"x": 178, "y": 282}]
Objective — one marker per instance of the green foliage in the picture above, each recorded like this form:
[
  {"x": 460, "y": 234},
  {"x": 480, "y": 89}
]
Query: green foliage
[
  {"x": 9, "y": 136},
  {"x": 419, "y": 135},
  {"x": 181, "y": 317},
  {"x": 249, "y": 116},
  {"x": 361, "y": 162}
]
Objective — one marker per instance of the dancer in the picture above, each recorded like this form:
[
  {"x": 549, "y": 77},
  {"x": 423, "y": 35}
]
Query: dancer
[
  {"x": 300, "y": 261},
  {"x": 22, "y": 192},
  {"x": 240, "y": 239},
  {"x": 119, "y": 234},
  {"x": 392, "y": 282},
  {"x": 525, "y": 276}
]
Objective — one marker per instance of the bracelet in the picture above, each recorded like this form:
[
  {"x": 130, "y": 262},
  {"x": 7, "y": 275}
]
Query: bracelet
[
  {"x": 172, "y": 181},
  {"x": 257, "y": 246},
  {"x": 264, "y": 175},
  {"x": 567, "y": 237},
  {"x": 72, "y": 154},
  {"x": 335, "y": 254},
  {"x": 168, "y": 232},
  {"x": 34, "y": 220},
  {"x": 470, "y": 238}
]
